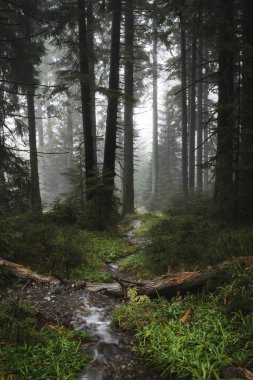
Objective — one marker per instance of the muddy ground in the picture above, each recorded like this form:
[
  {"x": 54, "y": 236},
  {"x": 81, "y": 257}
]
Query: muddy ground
[{"x": 64, "y": 305}]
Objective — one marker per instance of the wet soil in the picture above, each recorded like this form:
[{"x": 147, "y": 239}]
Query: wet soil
[
  {"x": 113, "y": 356},
  {"x": 111, "y": 350}
]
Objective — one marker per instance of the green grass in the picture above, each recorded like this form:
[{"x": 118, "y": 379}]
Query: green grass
[
  {"x": 57, "y": 356},
  {"x": 213, "y": 339},
  {"x": 29, "y": 352},
  {"x": 148, "y": 221},
  {"x": 101, "y": 249},
  {"x": 137, "y": 266}
]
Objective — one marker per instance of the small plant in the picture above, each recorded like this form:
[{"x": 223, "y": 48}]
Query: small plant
[
  {"x": 31, "y": 353},
  {"x": 10, "y": 236},
  {"x": 17, "y": 322},
  {"x": 197, "y": 349},
  {"x": 237, "y": 295}
]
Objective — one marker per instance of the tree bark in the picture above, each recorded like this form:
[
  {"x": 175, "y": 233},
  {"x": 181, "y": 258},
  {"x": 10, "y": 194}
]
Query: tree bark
[
  {"x": 128, "y": 175},
  {"x": 30, "y": 94},
  {"x": 91, "y": 57},
  {"x": 35, "y": 186},
  {"x": 112, "y": 110},
  {"x": 246, "y": 164},
  {"x": 2, "y": 144},
  {"x": 193, "y": 116},
  {"x": 184, "y": 108},
  {"x": 39, "y": 124},
  {"x": 90, "y": 161},
  {"x": 200, "y": 117},
  {"x": 155, "y": 122},
  {"x": 69, "y": 134},
  {"x": 170, "y": 285},
  {"x": 224, "y": 191},
  {"x": 206, "y": 134},
  {"x": 19, "y": 271}
]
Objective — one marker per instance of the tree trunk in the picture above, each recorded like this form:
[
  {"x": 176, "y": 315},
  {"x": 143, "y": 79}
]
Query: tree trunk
[
  {"x": 200, "y": 118},
  {"x": 128, "y": 176},
  {"x": 193, "y": 115},
  {"x": 112, "y": 110},
  {"x": 90, "y": 45},
  {"x": 69, "y": 135},
  {"x": 41, "y": 142},
  {"x": 246, "y": 164},
  {"x": 30, "y": 94},
  {"x": 206, "y": 134},
  {"x": 155, "y": 122},
  {"x": 2, "y": 144},
  {"x": 35, "y": 186},
  {"x": 90, "y": 166},
  {"x": 225, "y": 131},
  {"x": 184, "y": 108},
  {"x": 39, "y": 124}
]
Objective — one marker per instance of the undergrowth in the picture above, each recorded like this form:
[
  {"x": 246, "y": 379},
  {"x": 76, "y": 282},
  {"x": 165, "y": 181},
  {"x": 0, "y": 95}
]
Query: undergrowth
[
  {"x": 213, "y": 338},
  {"x": 58, "y": 249},
  {"x": 191, "y": 242},
  {"x": 31, "y": 352}
]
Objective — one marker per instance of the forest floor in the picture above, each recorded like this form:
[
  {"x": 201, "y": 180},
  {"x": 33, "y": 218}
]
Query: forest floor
[
  {"x": 214, "y": 343},
  {"x": 65, "y": 306},
  {"x": 60, "y": 304}
]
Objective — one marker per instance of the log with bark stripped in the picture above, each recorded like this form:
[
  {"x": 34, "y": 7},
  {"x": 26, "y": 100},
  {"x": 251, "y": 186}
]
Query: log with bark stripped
[
  {"x": 19, "y": 271},
  {"x": 172, "y": 284}
]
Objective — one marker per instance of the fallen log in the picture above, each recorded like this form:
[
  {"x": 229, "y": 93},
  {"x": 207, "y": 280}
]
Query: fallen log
[
  {"x": 19, "y": 271},
  {"x": 172, "y": 284},
  {"x": 168, "y": 285}
]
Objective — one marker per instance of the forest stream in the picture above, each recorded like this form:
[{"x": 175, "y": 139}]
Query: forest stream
[{"x": 111, "y": 350}]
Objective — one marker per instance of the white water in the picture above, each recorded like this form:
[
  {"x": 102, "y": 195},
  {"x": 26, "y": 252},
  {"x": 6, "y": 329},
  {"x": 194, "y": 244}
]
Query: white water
[{"x": 96, "y": 320}]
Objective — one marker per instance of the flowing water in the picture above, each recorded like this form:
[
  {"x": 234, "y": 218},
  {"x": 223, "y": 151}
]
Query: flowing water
[
  {"x": 96, "y": 318},
  {"x": 111, "y": 351}
]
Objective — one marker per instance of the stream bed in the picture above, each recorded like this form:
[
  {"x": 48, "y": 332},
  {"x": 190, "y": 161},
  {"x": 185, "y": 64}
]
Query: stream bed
[
  {"x": 91, "y": 311},
  {"x": 111, "y": 351}
]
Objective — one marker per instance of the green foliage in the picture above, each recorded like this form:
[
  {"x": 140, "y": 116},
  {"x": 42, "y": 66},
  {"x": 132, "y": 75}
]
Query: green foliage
[
  {"x": 199, "y": 349},
  {"x": 63, "y": 213},
  {"x": 49, "y": 247},
  {"x": 91, "y": 214},
  {"x": 149, "y": 220},
  {"x": 105, "y": 246},
  {"x": 238, "y": 292},
  {"x": 17, "y": 323},
  {"x": 194, "y": 204},
  {"x": 138, "y": 266},
  {"x": 14, "y": 182},
  {"x": 101, "y": 248},
  {"x": 193, "y": 241},
  {"x": 53, "y": 353},
  {"x": 60, "y": 249},
  {"x": 10, "y": 237}
]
